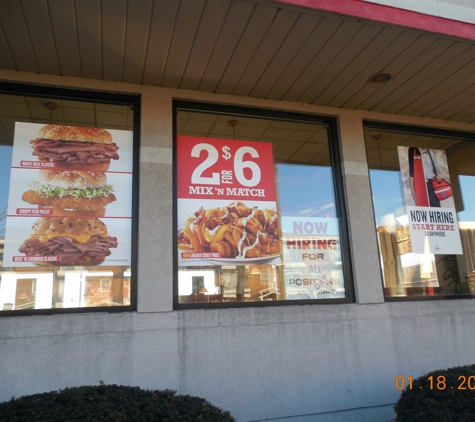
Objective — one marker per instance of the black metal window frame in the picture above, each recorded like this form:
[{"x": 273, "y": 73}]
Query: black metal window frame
[
  {"x": 92, "y": 96},
  {"x": 340, "y": 203}
]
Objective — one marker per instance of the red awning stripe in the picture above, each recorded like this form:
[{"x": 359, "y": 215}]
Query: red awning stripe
[{"x": 392, "y": 15}]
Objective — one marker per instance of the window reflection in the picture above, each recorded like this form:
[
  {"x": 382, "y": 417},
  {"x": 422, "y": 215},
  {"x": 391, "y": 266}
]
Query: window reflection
[
  {"x": 406, "y": 273},
  {"x": 62, "y": 288},
  {"x": 308, "y": 221},
  {"x": 31, "y": 288}
]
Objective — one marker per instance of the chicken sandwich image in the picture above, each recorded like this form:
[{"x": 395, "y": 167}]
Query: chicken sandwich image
[{"x": 71, "y": 193}]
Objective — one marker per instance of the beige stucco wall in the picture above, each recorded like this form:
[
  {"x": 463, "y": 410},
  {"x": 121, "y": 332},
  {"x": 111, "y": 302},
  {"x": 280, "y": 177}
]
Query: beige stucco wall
[{"x": 312, "y": 363}]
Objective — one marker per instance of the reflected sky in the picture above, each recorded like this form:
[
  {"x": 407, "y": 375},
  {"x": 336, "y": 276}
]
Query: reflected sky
[
  {"x": 388, "y": 198},
  {"x": 467, "y": 186},
  {"x": 5, "y": 164},
  {"x": 305, "y": 191}
]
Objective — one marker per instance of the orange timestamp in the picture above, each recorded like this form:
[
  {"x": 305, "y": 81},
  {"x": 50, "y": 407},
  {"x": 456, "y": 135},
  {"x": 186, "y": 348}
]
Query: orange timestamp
[{"x": 437, "y": 383}]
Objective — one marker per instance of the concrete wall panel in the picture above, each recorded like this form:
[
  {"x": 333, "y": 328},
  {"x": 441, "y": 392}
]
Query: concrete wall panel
[
  {"x": 365, "y": 256},
  {"x": 155, "y": 237},
  {"x": 317, "y": 360}
]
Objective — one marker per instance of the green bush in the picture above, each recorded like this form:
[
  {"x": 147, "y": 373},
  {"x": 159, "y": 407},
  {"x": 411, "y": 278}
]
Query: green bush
[
  {"x": 439, "y": 396},
  {"x": 111, "y": 403}
]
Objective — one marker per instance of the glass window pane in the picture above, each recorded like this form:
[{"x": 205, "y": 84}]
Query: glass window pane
[
  {"x": 41, "y": 193},
  {"x": 422, "y": 186},
  {"x": 294, "y": 251}
]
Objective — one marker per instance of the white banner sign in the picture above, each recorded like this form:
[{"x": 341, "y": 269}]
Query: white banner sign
[{"x": 430, "y": 208}]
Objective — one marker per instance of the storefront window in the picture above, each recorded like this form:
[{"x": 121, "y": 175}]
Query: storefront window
[
  {"x": 258, "y": 218},
  {"x": 422, "y": 184},
  {"x": 67, "y": 166}
]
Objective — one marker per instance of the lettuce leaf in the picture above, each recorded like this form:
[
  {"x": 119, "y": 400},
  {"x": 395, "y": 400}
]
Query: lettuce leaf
[{"x": 55, "y": 192}]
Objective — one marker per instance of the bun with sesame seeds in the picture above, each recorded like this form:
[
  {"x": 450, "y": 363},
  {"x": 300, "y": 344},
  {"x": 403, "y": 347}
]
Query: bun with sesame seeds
[
  {"x": 75, "y": 133},
  {"x": 75, "y": 147}
]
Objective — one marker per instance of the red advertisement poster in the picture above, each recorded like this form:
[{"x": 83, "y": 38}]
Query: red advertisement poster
[{"x": 227, "y": 209}]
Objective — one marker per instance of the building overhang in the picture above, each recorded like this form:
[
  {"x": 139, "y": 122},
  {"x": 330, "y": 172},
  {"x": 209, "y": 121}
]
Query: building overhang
[{"x": 288, "y": 50}]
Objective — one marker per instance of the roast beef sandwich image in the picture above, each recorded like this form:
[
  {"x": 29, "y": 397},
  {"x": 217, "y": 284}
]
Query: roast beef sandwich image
[
  {"x": 68, "y": 241},
  {"x": 71, "y": 193},
  {"x": 75, "y": 147}
]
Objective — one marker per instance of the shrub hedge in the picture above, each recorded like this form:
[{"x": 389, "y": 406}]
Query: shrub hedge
[
  {"x": 439, "y": 396},
  {"x": 111, "y": 403}
]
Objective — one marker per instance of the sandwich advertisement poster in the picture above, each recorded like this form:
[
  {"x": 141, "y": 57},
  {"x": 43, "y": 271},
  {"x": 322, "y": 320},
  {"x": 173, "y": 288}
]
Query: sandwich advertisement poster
[
  {"x": 70, "y": 197},
  {"x": 227, "y": 211},
  {"x": 431, "y": 214}
]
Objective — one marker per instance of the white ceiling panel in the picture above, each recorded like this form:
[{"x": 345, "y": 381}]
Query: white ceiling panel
[
  {"x": 6, "y": 58},
  {"x": 186, "y": 24},
  {"x": 456, "y": 105},
  {"x": 445, "y": 80},
  {"x": 335, "y": 48},
  {"x": 36, "y": 15},
  {"x": 301, "y": 65},
  {"x": 162, "y": 22},
  {"x": 268, "y": 48},
  {"x": 38, "y": 112},
  {"x": 113, "y": 24},
  {"x": 209, "y": 29},
  {"x": 63, "y": 20},
  {"x": 352, "y": 91},
  {"x": 402, "y": 68},
  {"x": 111, "y": 120},
  {"x": 411, "y": 78},
  {"x": 448, "y": 102},
  {"x": 88, "y": 18},
  {"x": 136, "y": 36},
  {"x": 256, "y": 29},
  {"x": 342, "y": 60},
  {"x": 285, "y": 54},
  {"x": 233, "y": 27},
  {"x": 78, "y": 115},
  {"x": 260, "y": 48},
  {"x": 355, "y": 73},
  {"x": 17, "y": 35}
]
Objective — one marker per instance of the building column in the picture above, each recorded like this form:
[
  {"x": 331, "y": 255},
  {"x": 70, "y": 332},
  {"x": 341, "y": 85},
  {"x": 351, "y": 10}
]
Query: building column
[
  {"x": 362, "y": 233},
  {"x": 155, "y": 253}
]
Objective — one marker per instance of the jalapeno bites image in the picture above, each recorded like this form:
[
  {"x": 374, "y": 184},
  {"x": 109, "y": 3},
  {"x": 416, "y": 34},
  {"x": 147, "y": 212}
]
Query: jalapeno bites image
[
  {"x": 71, "y": 193},
  {"x": 234, "y": 231},
  {"x": 75, "y": 147},
  {"x": 68, "y": 242}
]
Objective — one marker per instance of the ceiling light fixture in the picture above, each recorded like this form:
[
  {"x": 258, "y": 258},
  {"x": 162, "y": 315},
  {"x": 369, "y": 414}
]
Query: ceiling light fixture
[
  {"x": 233, "y": 124},
  {"x": 379, "y": 78},
  {"x": 51, "y": 106}
]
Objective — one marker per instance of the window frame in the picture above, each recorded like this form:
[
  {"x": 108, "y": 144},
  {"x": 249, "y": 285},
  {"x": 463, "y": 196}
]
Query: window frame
[
  {"x": 415, "y": 130},
  {"x": 133, "y": 100},
  {"x": 339, "y": 192}
]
